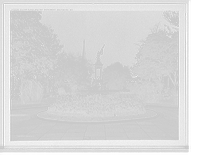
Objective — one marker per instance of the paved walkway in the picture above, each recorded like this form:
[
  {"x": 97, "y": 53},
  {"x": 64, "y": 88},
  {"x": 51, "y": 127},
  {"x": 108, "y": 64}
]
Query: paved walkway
[{"x": 26, "y": 126}]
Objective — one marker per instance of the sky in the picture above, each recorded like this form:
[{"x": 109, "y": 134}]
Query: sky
[{"x": 120, "y": 31}]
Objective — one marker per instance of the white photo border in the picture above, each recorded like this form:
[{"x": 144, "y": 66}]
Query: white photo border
[{"x": 100, "y": 145}]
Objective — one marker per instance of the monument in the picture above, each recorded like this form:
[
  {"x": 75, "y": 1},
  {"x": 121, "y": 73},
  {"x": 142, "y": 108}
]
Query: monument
[{"x": 97, "y": 85}]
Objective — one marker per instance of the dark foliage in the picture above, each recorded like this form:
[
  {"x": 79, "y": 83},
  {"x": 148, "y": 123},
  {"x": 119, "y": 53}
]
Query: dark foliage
[{"x": 116, "y": 76}]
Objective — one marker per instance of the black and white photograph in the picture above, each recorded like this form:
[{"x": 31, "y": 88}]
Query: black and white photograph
[{"x": 96, "y": 75}]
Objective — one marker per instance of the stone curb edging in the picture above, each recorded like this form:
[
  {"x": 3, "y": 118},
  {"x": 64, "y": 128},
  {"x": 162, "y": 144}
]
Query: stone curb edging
[{"x": 95, "y": 122}]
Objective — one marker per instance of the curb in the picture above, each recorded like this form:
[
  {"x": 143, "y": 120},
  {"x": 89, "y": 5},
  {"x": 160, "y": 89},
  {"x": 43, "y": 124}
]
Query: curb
[{"x": 98, "y": 122}]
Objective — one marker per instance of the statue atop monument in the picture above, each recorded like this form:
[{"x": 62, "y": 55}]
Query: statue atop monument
[
  {"x": 99, "y": 53},
  {"x": 98, "y": 69}
]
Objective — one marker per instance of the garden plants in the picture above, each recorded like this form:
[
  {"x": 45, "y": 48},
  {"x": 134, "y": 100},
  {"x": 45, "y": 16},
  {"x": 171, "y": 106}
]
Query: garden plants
[{"x": 97, "y": 104}]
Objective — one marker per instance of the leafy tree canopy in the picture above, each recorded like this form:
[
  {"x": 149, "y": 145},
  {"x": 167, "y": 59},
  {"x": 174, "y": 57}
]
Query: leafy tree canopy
[
  {"x": 158, "y": 55},
  {"x": 172, "y": 17},
  {"x": 33, "y": 45},
  {"x": 73, "y": 69},
  {"x": 116, "y": 76}
]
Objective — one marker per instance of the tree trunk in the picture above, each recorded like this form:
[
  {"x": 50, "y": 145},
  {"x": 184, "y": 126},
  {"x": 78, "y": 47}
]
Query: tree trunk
[
  {"x": 175, "y": 95},
  {"x": 174, "y": 80},
  {"x": 22, "y": 97}
]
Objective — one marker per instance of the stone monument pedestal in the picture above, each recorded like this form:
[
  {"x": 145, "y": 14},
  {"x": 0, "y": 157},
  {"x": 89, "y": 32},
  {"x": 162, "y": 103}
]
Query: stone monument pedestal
[{"x": 99, "y": 87}]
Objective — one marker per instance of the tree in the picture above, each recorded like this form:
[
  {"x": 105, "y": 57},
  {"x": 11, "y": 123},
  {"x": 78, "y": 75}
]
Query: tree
[
  {"x": 31, "y": 92},
  {"x": 116, "y": 76},
  {"x": 172, "y": 59},
  {"x": 33, "y": 48},
  {"x": 172, "y": 17},
  {"x": 158, "y": 57},
  {"x": 72, "y": 71}
]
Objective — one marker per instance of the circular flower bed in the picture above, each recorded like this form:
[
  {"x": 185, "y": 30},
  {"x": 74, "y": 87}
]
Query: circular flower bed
[
  {"x": 97, "y": 108},
  {"x": 97, "y": 105}
]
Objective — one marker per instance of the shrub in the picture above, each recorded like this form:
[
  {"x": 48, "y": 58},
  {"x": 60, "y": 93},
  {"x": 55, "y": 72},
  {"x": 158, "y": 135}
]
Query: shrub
[
  {"x": 97, "y": 104},
  {"x": 146, "y": 90},
  {"x": 166, "y": 93},
  {"x": 61, "y": 91},
  {"x": 175, "y": 97},
  {"x": 31, "y": 92}
]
